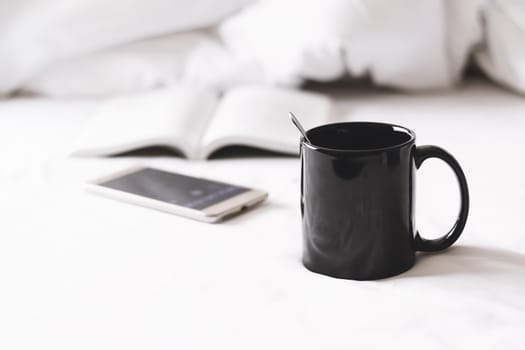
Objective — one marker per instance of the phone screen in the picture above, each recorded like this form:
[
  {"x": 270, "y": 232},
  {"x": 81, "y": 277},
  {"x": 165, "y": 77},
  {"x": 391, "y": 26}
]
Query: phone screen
[{"x": 174, "y": 188}]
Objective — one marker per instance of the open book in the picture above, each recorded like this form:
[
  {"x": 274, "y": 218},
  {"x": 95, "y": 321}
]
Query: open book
[{"x": 198, "y": 122}]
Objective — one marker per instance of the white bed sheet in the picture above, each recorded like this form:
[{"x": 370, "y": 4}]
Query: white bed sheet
[{"x": 83, "y": 272}]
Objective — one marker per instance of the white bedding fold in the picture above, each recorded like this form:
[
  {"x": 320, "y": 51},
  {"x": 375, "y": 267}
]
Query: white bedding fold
[
  {"x": 195, "y": 58},
  {"x": 37, "y": 33}
]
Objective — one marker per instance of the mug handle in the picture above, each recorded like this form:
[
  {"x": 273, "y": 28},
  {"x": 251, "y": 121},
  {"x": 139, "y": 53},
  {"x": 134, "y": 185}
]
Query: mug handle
[{"x": 432, "y": 245}]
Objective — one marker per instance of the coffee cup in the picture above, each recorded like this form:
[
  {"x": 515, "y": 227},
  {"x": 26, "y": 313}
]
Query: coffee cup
[{"x": 357, "y": 200}]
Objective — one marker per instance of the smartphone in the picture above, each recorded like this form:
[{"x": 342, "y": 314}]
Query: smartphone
[{"x": 188, "y": 196}]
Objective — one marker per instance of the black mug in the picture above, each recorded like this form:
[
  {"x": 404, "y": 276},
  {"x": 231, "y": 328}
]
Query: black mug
[{"x": 357, "y": 200}]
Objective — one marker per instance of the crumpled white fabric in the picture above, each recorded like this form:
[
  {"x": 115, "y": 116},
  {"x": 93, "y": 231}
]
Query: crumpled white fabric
[
  {"x": 89, "y": 48},
  {"x": 35, "y": 34},
  {"x": 193, "y": 57},
  {"x": 410, "y": 44},
  {"x": 502, "y": 55}
]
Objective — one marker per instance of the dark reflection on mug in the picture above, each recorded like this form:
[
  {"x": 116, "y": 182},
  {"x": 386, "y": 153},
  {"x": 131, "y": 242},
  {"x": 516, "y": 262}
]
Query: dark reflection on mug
[{"x": 347, "y": 168}]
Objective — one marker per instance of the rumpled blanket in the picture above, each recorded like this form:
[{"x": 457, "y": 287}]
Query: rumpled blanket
[{"x": 100, "y": 48}]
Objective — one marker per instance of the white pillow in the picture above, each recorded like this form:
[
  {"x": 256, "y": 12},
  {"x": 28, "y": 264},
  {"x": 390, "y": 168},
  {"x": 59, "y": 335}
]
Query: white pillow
[
  {"x": 402, "y": 43},
  {"x": 36, "y": 33},
  {"x": 191, "y": 58},
  {"x": 503, "y": 55}
]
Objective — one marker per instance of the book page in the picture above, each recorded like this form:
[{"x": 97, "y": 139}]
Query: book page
[
  {"x": 257, "y": 116},
  {"x": 175, "y": 117}
]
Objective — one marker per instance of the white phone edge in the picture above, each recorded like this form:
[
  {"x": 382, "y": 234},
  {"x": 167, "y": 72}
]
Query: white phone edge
[{"x": 211, "y": 214}]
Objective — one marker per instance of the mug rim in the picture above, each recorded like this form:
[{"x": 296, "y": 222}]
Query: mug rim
[{"x": 368, "y": 150}]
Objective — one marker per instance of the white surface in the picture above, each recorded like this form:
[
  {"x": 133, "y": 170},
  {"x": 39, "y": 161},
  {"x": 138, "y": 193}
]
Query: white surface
[{"x": 82, "y": 272}]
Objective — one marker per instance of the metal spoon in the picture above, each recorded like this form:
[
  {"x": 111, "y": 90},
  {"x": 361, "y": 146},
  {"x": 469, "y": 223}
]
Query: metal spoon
[{"x": 298, "y": 125}]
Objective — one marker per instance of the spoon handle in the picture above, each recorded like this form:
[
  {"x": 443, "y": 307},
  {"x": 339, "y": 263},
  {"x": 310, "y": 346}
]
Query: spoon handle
[{"x": 298, "y": 125}]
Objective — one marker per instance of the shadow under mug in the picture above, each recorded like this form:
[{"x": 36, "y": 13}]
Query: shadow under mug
[{"x": 357, "y": 200}]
